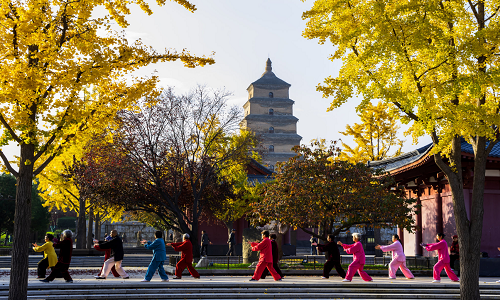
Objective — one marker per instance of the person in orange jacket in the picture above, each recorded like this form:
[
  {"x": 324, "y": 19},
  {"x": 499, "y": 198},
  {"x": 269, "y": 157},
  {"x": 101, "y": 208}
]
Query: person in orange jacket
[
  {"x": 186, "y": 249},
  {"x": 265, "y": 259}
]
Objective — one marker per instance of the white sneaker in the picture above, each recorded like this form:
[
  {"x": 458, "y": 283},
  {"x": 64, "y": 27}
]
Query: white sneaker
[
  {"x": 498, "y": 281},
  {"x": 346, "y": 280},
  {"x": 144, "y": 280},
  {"x": 455, "y": 281},
  {"x": 164, "y": 280},
  {"x": 392, "y": 278},
  {"x": 436, "y": 281},
  {"x": 324, "y": 277}
]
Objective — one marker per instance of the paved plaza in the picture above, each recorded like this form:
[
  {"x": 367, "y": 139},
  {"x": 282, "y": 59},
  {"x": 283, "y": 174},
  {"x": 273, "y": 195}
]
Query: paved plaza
[{"x": 238, "y": 287}]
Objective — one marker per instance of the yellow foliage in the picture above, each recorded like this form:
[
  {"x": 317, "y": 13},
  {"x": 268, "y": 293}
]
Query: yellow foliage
[
  {"x": 374, "y": 136},
  {"x": 436, "y": 61}
]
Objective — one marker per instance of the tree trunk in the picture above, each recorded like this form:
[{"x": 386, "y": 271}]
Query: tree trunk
[
  {"x": 80, "y": 238},
  {"x": 194, "y": 239},
  {"x": 97, "y": 228},
  {"x": 89, "y": 232},
  {"x": 469, "y": 230},
  {"x": 18, "y": 288},
  {"x": 229, "y": 226}
]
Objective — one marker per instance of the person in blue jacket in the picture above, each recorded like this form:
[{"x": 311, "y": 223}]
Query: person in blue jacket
[{"x": 159, "y": 257}]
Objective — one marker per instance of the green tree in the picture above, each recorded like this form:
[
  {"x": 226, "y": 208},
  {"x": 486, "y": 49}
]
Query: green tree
[
  {"x": 437, "y": 62},
  {"x": 375, "y": 136},
  {"x": 314, "y": 188}
]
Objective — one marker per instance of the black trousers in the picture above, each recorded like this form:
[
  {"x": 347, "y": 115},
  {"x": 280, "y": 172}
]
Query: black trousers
[
  {"x": 42, "y": 267},
  {"x": 204, "y": 248},
  {"x": 276, "y": 268},
  {"x": 329, "y": 265},
  {"x": 232, "y": 250},
  {"x": 453, "y": 258},
  {"x": 62, "y": 269}
]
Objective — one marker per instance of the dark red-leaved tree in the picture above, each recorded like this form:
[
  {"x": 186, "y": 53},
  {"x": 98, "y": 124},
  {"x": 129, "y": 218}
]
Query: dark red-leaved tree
[{"x": 166, "y": 156}]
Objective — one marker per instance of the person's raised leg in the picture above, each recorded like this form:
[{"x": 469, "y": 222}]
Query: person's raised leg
[
  {"x": 120, "y": 270},
  {"x": 65, "y": 273},
  {"x": 353, "y": 267},
  {"x": 153, "y": 265},
  {"x": 258, "y": 270},
  {"x": 450, "y": 272},
  {"x": 363, "y": 274},
  {"x": 192, "y": 270},
  {"x": 406, "y": 272},
  {"x": 113, "y": 271},
  {"x": 275, "y": 274},
  {"x": 338, "y": 268},
  {"x": 161, "y": 271}
]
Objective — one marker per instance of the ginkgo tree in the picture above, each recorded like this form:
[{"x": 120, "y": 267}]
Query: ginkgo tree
[
  {"x": 376, "y": 137},
  {"x": 438, "y": 63},
  {"x": 51, "y": 51}
]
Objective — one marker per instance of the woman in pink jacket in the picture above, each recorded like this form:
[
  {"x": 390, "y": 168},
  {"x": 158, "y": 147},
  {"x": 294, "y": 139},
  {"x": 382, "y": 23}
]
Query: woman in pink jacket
[
  {"x": 358, "y": 260},
  {"x": 398, "y": 258},
  {"x": 443, "y": 259}
]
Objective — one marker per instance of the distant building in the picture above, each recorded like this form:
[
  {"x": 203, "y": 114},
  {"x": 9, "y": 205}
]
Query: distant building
[{"x": 269, "y": 113}]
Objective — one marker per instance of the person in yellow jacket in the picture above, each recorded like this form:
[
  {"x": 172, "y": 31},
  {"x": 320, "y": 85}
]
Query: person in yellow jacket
[{"x": 49, "y": 255}]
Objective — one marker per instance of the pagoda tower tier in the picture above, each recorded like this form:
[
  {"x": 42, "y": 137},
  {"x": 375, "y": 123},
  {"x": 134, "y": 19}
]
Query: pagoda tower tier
[{"x": 269, "y": 113}]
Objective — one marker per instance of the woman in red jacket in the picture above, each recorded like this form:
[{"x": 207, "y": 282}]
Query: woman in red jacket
[
  {"x": 265, "y": 258},
  {"x": 186, "y": 249}
]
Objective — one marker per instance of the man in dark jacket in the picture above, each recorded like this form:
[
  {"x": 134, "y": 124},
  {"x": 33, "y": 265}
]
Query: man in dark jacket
[
  {"x": 116, "y": 256},
  {"x": 276, "y": 258},
  {"x": 333, "y": 258},
  {"x": 65, "y": 247},
  {"x": 205, "y": 240},
  {"x": 232, "y": 243}
]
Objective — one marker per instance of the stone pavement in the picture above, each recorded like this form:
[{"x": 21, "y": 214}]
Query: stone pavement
[{"x": 238, "y": 287}]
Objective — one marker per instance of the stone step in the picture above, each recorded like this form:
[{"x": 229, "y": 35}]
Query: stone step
[{"x": 190, "y": 289}]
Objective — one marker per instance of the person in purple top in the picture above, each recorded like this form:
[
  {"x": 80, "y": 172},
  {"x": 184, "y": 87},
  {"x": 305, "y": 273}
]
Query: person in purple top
[
  {"x": 398, "y": 258},
  {"x": 443, "y": 259},
  {"x": 358, "y": 259}
]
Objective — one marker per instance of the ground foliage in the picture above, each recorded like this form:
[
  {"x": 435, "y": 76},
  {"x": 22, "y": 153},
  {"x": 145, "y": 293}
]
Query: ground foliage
[{"x": 314, "y": 188}]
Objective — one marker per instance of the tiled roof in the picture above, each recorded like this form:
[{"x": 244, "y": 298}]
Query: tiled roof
[
  {"x": 410, "y": 157},
  {"x": 404, "y": 159}
]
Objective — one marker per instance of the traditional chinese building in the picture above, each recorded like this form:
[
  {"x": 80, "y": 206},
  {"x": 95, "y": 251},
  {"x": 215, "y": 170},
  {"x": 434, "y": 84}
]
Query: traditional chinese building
[
  {"x": 269, "y": 113},
  {"x": 417, "y": 172}
]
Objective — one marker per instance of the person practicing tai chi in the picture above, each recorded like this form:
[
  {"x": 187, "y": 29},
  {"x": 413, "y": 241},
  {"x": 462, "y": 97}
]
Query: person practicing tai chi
[
  {"x": 49, "y": 255},
  {"x": 65, "y": 247},
  {"x": 358, "y": 259},
  {"x": 116, "y": 255},
  {"x": 159, "y": 257},
  {"x": 186, "y": 249},
  {"x": 265, "y": 258},
  {"x": 443, "y": 259},
  {"x": 333, "y": 258},
  {"x": 276, "y": 258},
  {"x": 398, "y": 258},
  {"x": 107, "y": 254}
]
